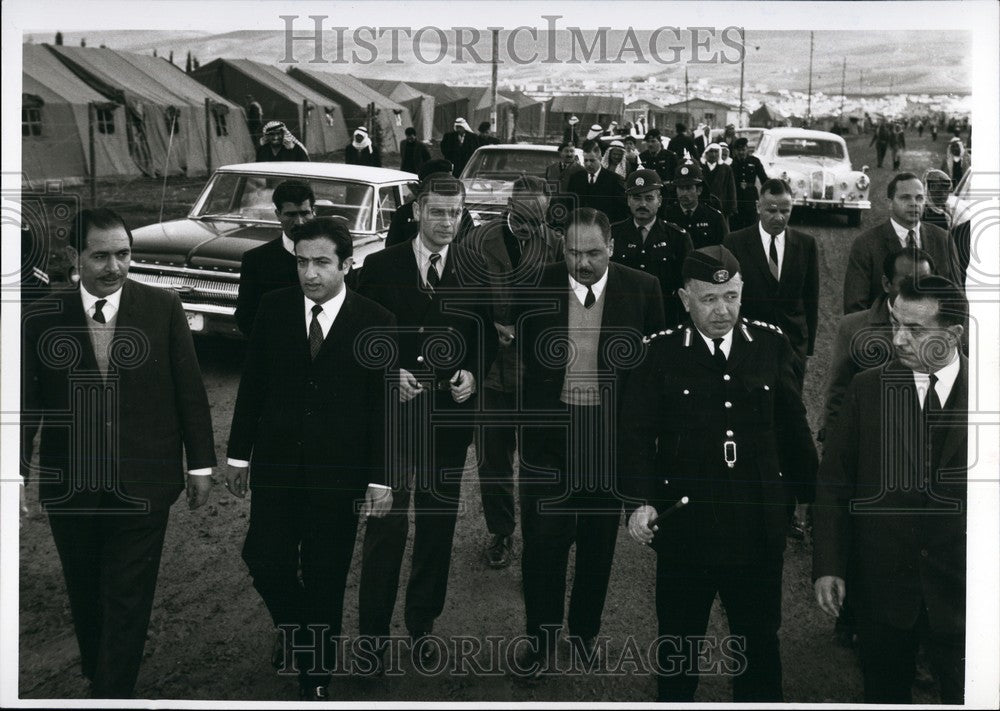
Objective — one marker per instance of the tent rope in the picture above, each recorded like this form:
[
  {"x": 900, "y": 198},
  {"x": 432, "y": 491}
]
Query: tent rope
[{"x": 166, "y": 163}]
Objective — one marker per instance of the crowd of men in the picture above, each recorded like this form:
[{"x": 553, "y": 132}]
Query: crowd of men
[{"x": 642, "y": 349}]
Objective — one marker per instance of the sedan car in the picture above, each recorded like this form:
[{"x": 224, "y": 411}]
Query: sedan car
[
  {"x": 818, "y": 168},
  {"x": 491, "y": 171},
  {"x": 199, "y": 256},
  {"x": 752, "y": 135}
]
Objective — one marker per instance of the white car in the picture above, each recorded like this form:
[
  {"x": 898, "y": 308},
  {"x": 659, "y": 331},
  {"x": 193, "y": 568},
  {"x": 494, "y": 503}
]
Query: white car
[
  {"x": 817, "y": 167},
  {"x": 491, "y": 171}
]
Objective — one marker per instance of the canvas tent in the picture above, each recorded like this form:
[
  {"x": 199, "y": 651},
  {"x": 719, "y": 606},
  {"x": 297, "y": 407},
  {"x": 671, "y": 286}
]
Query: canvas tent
[
  {"x": 449, "y": 104},
  {"x": 589, "y": 109},
  {"x": 165, "y": 112},
  {"x": 316, "y": 120},
  {"x": 354, "y": 96},
  {"x": 528, "y": 115},
  {"x": 419, "y": 104},
  {"x": 55, "y": 124}
]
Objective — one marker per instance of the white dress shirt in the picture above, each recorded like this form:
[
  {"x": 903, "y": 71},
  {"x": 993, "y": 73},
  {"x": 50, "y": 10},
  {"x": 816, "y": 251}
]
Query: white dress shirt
[
  {"x": 287, "y": 243},
  {"x": 727, "y": 343},
  {"x": 424, "y": 259},
  {"x": 329, "y": 313},
  {"x": 946, "y": 380},
  {"x": 581, "y": 289},
  {"x": 592, "y": 179},
  {"x": 779, "y": 245},
  {"x": 901, "y": 233}
]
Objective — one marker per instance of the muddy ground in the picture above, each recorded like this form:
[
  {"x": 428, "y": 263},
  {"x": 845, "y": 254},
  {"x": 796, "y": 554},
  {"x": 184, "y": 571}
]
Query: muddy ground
[{"x": 209, "y": 637}]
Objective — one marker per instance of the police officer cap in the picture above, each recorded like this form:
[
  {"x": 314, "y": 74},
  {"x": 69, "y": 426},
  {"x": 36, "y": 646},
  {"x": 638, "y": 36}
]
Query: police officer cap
[
  {"x": 642, "y": 181},
  {"x": 714, "y": 264},
  {"x": 687, "y": 173},
  {"x": 652, "y": 134}
]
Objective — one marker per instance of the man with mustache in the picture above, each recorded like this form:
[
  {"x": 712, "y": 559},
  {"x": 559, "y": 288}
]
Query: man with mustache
[
  {"x": 904, "y": 228},
  {"x": 650, "y": 244}
]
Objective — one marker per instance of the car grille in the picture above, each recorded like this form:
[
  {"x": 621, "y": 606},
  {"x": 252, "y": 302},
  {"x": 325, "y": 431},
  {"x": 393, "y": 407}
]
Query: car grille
[
  {"x": 821, "y": 185},
  {"x": 191, "y": 289}
]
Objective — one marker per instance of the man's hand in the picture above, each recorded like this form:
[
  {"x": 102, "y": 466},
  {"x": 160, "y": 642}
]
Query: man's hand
[
  {"x": 830, "y": 592},
  {"x": 409, "y": 387},
  {"x": 378, "y": 501},
  {"x": 198, "y": 488},
  {"x": 237, "y": 480},
  {"x": 638, "y": 526},
  {"x": 505, "y": 334},
  {"x": 463, "y": 385}
]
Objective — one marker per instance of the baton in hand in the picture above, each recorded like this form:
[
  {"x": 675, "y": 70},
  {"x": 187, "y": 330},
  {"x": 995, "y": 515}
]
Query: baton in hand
[{"x": 681, "y": 503}]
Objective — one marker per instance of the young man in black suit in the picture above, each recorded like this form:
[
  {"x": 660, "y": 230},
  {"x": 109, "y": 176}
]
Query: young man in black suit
[
  {"x": 780, "y": 272},
  {"x": 272, "y": 265},
  {"x": 111, "y": 378},
  {"x": 440, "y": 330},
  {"x": 596, "y": 188},
  {"x": 892, "y": 497},
  {"x": 309, "y": 423},
  {"x": 576, "y": 335}
]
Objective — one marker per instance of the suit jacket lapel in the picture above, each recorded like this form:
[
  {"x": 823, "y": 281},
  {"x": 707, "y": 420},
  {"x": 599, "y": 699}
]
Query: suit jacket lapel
[
  {"x": 760, "y": 257},
  {"x": 76, "y": 321},
  {"x": 496, "y": 250},
  {"x": 957, "y": 406},
  {"x": 789, "y": 264}
]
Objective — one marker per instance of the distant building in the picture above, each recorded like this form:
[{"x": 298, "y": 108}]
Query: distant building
[{"x": 698, "y": 110}]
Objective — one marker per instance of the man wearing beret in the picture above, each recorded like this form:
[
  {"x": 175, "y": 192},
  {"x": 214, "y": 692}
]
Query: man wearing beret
[
  {"x": 700, "y": 420},
  {"x": 704, "y": 223},
  {"x": 644, "y": 241}
]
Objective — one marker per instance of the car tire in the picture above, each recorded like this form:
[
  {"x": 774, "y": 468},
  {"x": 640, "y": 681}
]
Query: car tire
[{"x": 854, "y": 218}]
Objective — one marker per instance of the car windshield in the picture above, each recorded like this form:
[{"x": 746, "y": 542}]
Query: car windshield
[
  {"x": 810, "y": 148},
  {"x": 239, "y": 197},
  {"x": 509, "y": 165}
]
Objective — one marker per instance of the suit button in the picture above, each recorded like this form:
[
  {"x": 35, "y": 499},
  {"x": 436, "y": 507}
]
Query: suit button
[
  {"x": 780, "y": 474},
  {"x": 312, "y": 384},
  {"x": 420, "y": 330},
  {"x": 687, "y": 392},
  {"x": 666, "y": 481},
  {"x": 728, "y": 404},
  {"x": 642, "y": 266},
  {"x": 923, "y": 552},
  {"x": 767, "y": 387},
  {"x": 726, "y": 377},
  {"x": 308, "y": 413},
  {"x": 729, "y": 433},
  {"x": 420, "y": 359}
]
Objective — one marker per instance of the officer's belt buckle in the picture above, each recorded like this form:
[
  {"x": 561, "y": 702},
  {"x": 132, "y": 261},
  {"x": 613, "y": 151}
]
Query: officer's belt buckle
[{"x": 729, "y": 453}]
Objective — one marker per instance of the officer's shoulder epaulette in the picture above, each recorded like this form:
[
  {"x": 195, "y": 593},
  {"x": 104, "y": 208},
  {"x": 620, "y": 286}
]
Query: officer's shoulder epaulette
[
  {"x": 762, "y": 325},
  {"x": 660, "y": 334}
]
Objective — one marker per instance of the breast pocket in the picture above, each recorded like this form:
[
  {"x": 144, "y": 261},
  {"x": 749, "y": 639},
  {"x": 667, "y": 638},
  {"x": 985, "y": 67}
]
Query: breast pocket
[
  {"x": 758, "y": 400},
  {"x": 686, "y": 405}
]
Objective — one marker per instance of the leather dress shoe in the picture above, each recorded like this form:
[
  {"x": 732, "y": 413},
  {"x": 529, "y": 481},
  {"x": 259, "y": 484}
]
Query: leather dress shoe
[
  {"x": 312, "y": 690},
  {"x": 427, "y": 652},
  {"x": 498, "y": 552}
]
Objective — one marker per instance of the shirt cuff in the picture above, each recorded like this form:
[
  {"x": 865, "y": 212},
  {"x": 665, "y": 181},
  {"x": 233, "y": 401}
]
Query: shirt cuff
[
  {"x": 242, "y": 463},
  {"x": 379, "y": 486},
  {"x": 207, "y": 471}
]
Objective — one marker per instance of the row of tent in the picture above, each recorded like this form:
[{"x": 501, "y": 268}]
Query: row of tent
[{"x": 148, "y": 117}]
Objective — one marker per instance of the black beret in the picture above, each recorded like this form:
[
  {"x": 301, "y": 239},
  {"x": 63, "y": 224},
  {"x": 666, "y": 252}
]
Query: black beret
[{"x": 714, "y": 264}]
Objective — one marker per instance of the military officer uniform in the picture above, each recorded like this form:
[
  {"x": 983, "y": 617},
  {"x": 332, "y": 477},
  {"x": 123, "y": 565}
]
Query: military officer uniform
[
  {"x": 705, "y": 425},
  {"x": 705, "y": 224},
  {"x": 658, "y": 248}
]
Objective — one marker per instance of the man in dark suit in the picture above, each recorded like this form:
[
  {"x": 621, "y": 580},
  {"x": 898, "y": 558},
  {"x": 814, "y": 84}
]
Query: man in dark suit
[
  {"x": 458, "y": 145},
  {"x": 780, "y": 269},
  {"x": 559, "y": 173},
  {"x": 680, "y": 143},
  {"x": 576, "y": 336},
  {"x": 704, "y": 223},
  {"x": 646, "y": 242},
  {"x": 440, "y": 331},
  {"x": 111, "y": 378},
  {"x": 714, "y": 413},
  {"x": 863, "y": 279},
  {"x": 507, "y": 257},
  {"x": 272, "y": 265},
  {"x": 412, "y": 154},
  {"x": 597, "y": 188},
  {"x": 891, "y": 497},
  {"x": 309, "y": 422},
  {"x": 403, "y": 226}
]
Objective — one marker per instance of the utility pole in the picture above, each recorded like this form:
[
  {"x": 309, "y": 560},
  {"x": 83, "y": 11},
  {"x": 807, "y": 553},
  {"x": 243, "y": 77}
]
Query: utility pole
[
  {"x": 809, "y": 110},
  {"x": 843, "y": 86},
  {"x": 493, "y": 85},
  {"x": 743, "y": 64},
  {"x": 687, "y": 108}
]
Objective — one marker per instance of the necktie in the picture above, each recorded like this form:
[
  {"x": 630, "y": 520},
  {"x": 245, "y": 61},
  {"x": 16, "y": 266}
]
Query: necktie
[
  {"x": 911, "y": 239},
  {"x": 719, "y": 355},
  {"x": 433, "y": 278},
  {"x": 592, "y": 176},
  {"x": 315, "y": 332},
  {"x": 932, "y": 403},
  {"x": 643, "y": 233},
  {"x": 772, "y": 259},
  {"x": 590, "y": 299},
  {"x": 98, "y": 313}
]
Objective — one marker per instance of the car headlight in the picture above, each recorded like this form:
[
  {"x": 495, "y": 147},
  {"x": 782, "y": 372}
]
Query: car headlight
[{"x": 863, "y": 182}]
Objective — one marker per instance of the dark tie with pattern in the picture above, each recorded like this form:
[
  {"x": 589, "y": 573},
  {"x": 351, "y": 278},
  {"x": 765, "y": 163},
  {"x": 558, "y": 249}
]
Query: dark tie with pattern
[
  {"x": 592, "y": 178},
  {"x": 772, "y": 259},
  {"x": 315, "y": 332},
  {"x": 718, "y": 354},
  {"x": 911, "y": 239},
  {"x": 433, "y": 278},
  {"x": 932, "y": 403},
  {"x": 590, "y": 298},
  {"x": 98, "y": 311}
]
